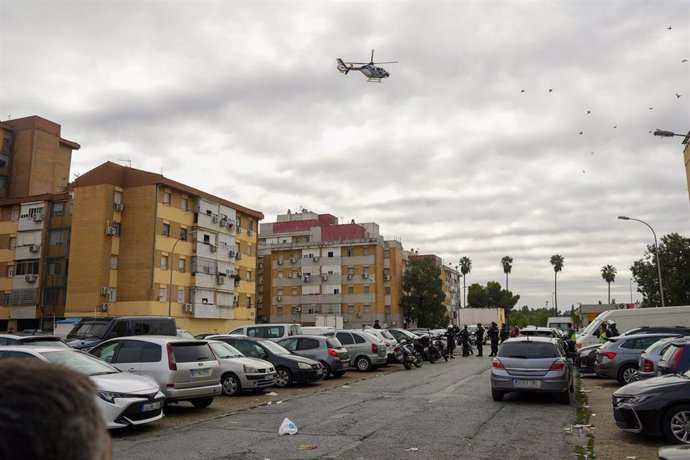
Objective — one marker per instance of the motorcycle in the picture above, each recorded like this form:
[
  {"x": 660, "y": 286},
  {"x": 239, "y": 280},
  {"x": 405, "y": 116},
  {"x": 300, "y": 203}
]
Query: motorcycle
[
  {"x": 424, "y": 346},
  {"x": 407, "y": 355},
  {"x": 439, "y": 344}
]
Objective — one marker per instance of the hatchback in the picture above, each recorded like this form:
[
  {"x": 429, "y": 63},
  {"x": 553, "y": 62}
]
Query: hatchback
[
  {"x": 676, "y": 359},
  {"x": 647, "y": 366},
  {"x": 388, "y": 339},
  {"x": 289, "y": 367},
  {"x": 44, "y": 340},
  {"x": 535, "y": 331},
  {"x": 123, "y": 399},
  {"x": 185, "y": 370},
  {"x": 619, "y": 357},
  {"x": 239, "y": 373},
  {"x": 367, "y": 352},
  {"x": 327, "y": 350},
  {"x": 532, "y": 364}
]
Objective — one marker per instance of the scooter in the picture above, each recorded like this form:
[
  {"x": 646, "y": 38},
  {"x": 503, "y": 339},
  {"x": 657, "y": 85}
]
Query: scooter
[
  {"x": 407, "y": 355},
  {"x": 426, "y": 349}
]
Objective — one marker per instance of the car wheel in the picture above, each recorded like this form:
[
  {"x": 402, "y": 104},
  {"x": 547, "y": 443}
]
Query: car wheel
[
  {"x": 283, "y": 377},
  {"x": 676, "y": 424},
  {"x": 362, "y": 364},
  {"x": 564, "y": 398},
  {"x": 327, "y": 368},
  {"x": 231, "y": 385},
  {"x": 497, "y": 395},
  {"x": 628, "y": 374},
  {"x": 202, "y": 402}
]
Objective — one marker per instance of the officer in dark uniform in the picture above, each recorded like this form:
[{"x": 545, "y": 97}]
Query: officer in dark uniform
[
  {"x": 493, "y": 335},
  {"x": 479, "y": 338}
]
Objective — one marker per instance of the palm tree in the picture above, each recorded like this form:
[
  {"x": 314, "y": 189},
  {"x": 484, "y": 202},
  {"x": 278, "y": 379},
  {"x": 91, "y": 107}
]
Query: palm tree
[
  {"x": 465, "y": 268},
  {"x": 507, "y": 267},
  {"x": 608, "y": 272},
  {"x": 557, "y": 262}
]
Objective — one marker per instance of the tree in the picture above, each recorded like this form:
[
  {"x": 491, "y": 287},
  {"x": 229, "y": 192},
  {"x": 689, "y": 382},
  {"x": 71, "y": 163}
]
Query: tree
[
  {"x": 465, "y": 268},
  {"x": 493, "y": 291},
  {"x": 477, "y": 296},
  {"x": 507, "y": 263},
  {"x": 674, "y": 253},
  {"x": 557, "y": 262},
  {"x": 423, "y": 296},
  {"x": 608, "y": 272}
]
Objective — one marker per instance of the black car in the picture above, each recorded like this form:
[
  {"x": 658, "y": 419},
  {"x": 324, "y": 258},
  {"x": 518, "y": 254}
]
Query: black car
[
  {"x": 586, "y": 357},
  {"x": 290, "y": 367},
  {"x": 657, "y": 406}
]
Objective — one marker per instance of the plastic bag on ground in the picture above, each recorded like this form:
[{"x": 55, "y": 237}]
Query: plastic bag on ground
[{"x": 287, "y": 427}]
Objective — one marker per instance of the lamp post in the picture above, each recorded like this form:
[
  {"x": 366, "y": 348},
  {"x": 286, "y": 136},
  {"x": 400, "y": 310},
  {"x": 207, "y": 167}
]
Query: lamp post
[
  {"x": 170, "y": 267},
  {"x": 656, "y": 248},
  {"x": 662, "y": 133}
]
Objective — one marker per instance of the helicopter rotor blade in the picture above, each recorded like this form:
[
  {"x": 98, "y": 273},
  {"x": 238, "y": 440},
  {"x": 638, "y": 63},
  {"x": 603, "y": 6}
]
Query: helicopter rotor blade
[
  {"x": 387, "y": 62},
  {"x": 372, "y": 56}
]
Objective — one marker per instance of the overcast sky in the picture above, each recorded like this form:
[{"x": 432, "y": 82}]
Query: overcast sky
[{"x": 242, "y": 99}]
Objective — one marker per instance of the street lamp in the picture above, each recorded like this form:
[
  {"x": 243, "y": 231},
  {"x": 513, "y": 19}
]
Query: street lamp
[
  {"x": 656, "y": 247},
  {"x": 170, "y": 267},
  {"x": 662, "y": 133}
]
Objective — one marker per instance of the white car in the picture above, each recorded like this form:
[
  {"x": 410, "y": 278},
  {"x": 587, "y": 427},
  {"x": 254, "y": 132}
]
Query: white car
[
  {"x": 240, "y": 373},
  {"x": 124, "y": 399},
  {"x": 388, "y": 340}
]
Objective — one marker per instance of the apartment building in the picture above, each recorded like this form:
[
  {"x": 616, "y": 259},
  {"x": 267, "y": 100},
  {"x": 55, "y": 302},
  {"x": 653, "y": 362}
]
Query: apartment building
[
  {"x": 310, "y": 265},
  {"x": 143, "y": 244},
  {"x": 35, "y": 221}
]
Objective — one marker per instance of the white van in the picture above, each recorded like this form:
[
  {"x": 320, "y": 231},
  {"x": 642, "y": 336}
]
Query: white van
[
  {"x": 629, "y": 318},
  {"x": 273, "y": 332}
]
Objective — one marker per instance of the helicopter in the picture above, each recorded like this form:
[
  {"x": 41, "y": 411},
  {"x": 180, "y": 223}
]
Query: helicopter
[{"x": 368, "y": 69}]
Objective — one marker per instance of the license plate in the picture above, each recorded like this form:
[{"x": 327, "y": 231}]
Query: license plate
[
  {"x": 267, "y": 378},
  {"x": 526, "y": 383},
  {"x": 151, "y": 406},
  {"x": 200, "y": 372}
]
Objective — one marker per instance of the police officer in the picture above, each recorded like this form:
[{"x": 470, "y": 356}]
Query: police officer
[
  {"x": 493, "y": 335},
  {"x": 450, "y": 342},
  {"x": 465, "y": 340},
  {"x": 479, "y": 338},
  {"x": 612, "y": 330},
  {"x": 570, "y": 339},
  {"x": 602, "y": 333}
]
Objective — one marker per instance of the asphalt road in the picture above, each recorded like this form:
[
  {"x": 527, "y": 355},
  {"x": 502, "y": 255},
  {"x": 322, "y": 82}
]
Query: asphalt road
[{"x": 443, "y": 410}]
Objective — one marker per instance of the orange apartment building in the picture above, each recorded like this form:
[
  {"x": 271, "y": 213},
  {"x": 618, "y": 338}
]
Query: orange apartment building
[
  {"x": 143, "y": 244},
  {"x": 309, "y": 265}
]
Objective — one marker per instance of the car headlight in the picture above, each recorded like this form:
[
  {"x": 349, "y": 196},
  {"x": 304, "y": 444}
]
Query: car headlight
[
  {"x": 304, "y": 366},
  {"x": 250, "y": 369},
  {"x": 110, "y": 396},
  {"x": 637, "y": 399}
]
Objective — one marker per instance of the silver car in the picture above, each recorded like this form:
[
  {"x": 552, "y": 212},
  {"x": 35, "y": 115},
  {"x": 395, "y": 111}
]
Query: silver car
[
  {"x": 185, "y": 370},
  {"x": 532, "y": 364},
  {"x": 327, "y": 350},
  {"x": 239, "y": 373},
  {"x": 367, "y": 352},
  {"x": 649, "y": 359}
]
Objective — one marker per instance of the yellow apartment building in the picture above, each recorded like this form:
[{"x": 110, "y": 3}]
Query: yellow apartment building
[
  {"x": 310, "y": 267},
  {"x": 143, "y": 244}
]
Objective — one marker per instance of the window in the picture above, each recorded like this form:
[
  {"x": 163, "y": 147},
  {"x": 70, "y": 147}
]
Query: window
[
  {"x": 330, "y": 253},
  {"x": 249, "y": 275},
  {"x": 15, "y": 214},
  {"x": 112, "y": 295},
  {"x": 13, "y": 242},
  {"x": 164, "y": 262},
  {"x": 359, "y": 338},
  {"x": 113, "y": 262},
  {"x": 350, "y": 309},
  {"x": 387, "y": 290},
  {"x": 54, "y": 267},
  {"x": 184, "y": 204},
  {"x": 294, "y": 291},
  {"x": 349, "y": 252},
  {"x": 308, "y": 344},
  {"x": 166, "y": 229},
  {"x": 336, "y": 291},
  {"x": 162, "y": 294},
  {"x": 180, "y": 295},
  {"x": 350, "y": 289},
  {"x": 183, "y": 234},
  {"x": 279, "y": 310},
  {"x": 366, "y": 289},
  {"x": 207, "y": 239},
  {"x": 26, "y": 267},
  {"x": 345, "y": 338},
  {"x": 249, "y": 249},
  {"x": 365, "y": 251},
  {"x": 249, "y": 301},
  {"x": 56, "y": 237},
  {"x": 366, "y": 309},
  {"x": 181, "y": 265},
  {"x": 58, "y": 208},
  {"x": 10, "y": 273},
  {"x": 117, "y": 197},
  {"x": 166, "y": 198}
]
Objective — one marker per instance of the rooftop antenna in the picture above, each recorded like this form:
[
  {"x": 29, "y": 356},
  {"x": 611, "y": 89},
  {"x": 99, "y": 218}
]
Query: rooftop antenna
[{"x": 129, "y": 162}]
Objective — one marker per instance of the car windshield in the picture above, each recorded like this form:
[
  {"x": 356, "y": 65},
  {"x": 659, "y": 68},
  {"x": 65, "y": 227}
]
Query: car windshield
[
  {"x": 80, "y": 362},
  {"x": 387, "y": 335},
  {"x": 184, "y": 334},
  {"x": 275, "y": 348},
  {"x": 527, "y": 350},
  {"x": 89, "y": 329},
  {"x": 224, "y": 350}
]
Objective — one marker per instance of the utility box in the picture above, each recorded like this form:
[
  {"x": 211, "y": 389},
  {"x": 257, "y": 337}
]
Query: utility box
[{"x": 335, "y": 321}]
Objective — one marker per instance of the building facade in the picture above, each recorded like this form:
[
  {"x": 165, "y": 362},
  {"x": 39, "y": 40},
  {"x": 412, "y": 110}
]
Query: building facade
[{"x": 310, "y": 266}]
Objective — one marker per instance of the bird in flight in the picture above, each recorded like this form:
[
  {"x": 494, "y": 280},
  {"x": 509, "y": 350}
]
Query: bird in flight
[
  {"x": 651, "y": 108},
  {"x": 678, "y": 96},
  {"x": 615, "y": 126},
  {"x": 668, "y": 28},
  {"x": 588, "y": 112},
  {"x": 522, "y": 91},
  {"x": 684, "y": 60},
  {"x": 580, "y": 133},
  {"x": 550, "y": 90}
]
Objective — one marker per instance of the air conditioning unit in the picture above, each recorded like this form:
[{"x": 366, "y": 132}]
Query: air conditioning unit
[
  {"x": 105, "y": 306},
  {"x": 280, "y": 261},
  {"x": 307, "y": 278},
  {"x": 239, "y": 229},
  {"x": 220, "y": 279},
  {"x": 349, "y": 276},
  {"x": 359, "y": 315},
  {"x": 31, "y": 278},
  {"x": 293, "y": 260},
  {"x": 324, "y": 277},
  {"x": 289, "y": 275},
  {"x": 238, "y": 256},
  {"x": 111, "y": 231},
  {"x": 188, "y": 308},
  {"x": 118, "y": 207},
  {"x": 213, "y": 248},
  {"x": 316, "y": 258},
  {"x": 231, "y": 253},
  {"x": 387, "y": 277},
  {"x": 166, "y": 203},
  {"x": 298, "y": 309},
  {"x": 105, "y": 290},
  {"x": 37, "y": 217},
  {"x": 34, "y": 248},
  {"x": 279, "y": 298},
  {"x": 365, "y": 275},
  {"x": 299, "y": 274},
  {"x": 214, "y": 218}
]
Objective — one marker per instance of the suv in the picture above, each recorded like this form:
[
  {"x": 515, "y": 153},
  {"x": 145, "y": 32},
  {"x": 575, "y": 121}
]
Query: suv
[
  {"x": 619, "y": 357},
  {"x": 273, "y": 332},
  {"x": 327, "y": 350},
  {"x": 366, "y": 351},
  {"x": 185, "y": 370},
  {"x": 93, "y": 331},
  {"x": 676, "y": 359}
]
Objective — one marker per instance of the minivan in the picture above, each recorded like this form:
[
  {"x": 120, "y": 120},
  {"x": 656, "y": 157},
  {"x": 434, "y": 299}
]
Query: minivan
[
  {"x": 273, "y": 332},
  {"x": 92, "y": 331}
]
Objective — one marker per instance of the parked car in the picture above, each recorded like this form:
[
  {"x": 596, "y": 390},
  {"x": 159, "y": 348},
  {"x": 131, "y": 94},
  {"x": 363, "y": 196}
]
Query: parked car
[
  {"x": 327, "y": 350},
  {"x": 402, "y": 334},
  {"x": 656, "y": 406},
  {"x": 586, "y": 357},
  {"x": 532, "y": 364},
  {"x": 318, "y": 330},
  {"x": 203, "y": 335},
  {"x": 92, "y": 331},
  {"x": 388, "y": 339},
  {"x": 367, "y": 352},
  {"x": 184, "y": 334},
  {"x": 124, "y": 399},
  {"x": 44, "y": 340},
  {"x": 619, "y": 357},
  {"x": 680, "y": 330},
  {"x": 676, "y": 358},
  {"x": 185, "y": 370},
  {"x": 536, "y": 331},
  {"x": 647, "y": 366},
  {"x": 239, "y": 373},
  {"x": 273, "y": 332},
  {"x": 290, "y": 368}
]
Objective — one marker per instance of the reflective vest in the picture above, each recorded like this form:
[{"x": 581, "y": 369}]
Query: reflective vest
[{"x": 603, "y": 337}]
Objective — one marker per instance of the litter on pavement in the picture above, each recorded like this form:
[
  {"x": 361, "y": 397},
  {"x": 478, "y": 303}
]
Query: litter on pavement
[
  {"x": 307, "y": 447},
  {"x": 287, "y": 427},
  {"x": 272, "y": 393},
  {"x": 412, "y": 449},
  {"x": 579, "y": 429}
]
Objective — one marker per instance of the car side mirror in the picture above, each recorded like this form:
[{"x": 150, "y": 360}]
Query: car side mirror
[{"x": 263, "y": 355}]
